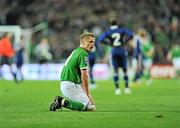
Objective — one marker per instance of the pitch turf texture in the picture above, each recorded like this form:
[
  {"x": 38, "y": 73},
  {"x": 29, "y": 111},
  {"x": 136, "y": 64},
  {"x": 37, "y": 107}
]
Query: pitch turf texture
[{"x": 26, "y": 105}]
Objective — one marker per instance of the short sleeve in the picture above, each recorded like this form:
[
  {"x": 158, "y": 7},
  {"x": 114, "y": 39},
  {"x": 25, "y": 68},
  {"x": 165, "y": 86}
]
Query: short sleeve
[{"x": 83, "y": 61}]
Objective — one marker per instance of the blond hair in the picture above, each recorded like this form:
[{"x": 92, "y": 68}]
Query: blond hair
[{"x": 86, "y": 35}]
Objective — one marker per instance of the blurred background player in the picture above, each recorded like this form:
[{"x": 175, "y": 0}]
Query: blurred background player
[
  {"x": 137, "y": 58},
  {"x": 19, "y": 58},
  {"x": 174, "y": 57},
  {"x": 7, "y": 53},
  {"x": 74, "y": 79},
  {"x": 147, "y": 52},
  {"x": 117, "y": 38},
  {"x": 42, "y": 52}
]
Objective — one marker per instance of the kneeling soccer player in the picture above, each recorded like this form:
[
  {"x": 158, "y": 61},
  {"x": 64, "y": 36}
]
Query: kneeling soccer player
[{"x": 74, "y": 79}]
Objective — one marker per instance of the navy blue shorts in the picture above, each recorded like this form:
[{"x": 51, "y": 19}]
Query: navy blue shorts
[{"x": 119, "y": 58}]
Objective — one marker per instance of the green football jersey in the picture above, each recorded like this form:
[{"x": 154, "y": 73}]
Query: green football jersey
[
  {"x": 175, "y": 52},
  {"x": 73, "y": 65},
  {"x": 146, "y": 48}
]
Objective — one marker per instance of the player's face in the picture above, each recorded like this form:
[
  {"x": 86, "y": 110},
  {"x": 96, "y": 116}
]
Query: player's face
[{"x": 89, "y": 43}]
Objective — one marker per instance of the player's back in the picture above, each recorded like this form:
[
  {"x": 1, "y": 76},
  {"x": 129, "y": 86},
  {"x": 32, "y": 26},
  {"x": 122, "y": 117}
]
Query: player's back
[{"x": 117, "y": 37}]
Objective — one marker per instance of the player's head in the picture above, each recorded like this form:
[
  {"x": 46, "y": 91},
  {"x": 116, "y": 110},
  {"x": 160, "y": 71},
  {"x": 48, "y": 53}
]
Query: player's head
[
  {"x": 87, "y": 41},
  {"x": 44, "y": 41},
  {"x": 8, "y": 35},
  {"x": 113, "y": 21},
  {"x": 141, "y": 32}
]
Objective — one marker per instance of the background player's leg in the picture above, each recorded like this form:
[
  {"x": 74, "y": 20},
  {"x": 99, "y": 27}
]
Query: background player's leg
[
  {"x": 138, "y": 75},
  {"x": 91, "y": 75},
  {"x": 92, "y": 82},
  {"x": 91, "y": 65},
  {"x": 19, "y": 71},
  {"x": 116, "y": 78},
  {"x": 115, "y": 63},
  {"x": 126, "y": 80},
  {"x": 124, "y": 64},
  {"x": 116, "y": 81},
  {"x": 13, "y": 69}
]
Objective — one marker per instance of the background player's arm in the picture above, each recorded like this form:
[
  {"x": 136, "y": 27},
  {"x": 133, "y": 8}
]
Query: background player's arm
[
  {"x": 128, "y": 35},
  {"x": 103, "y": 39},
  {"x": 150, "y": 52}
]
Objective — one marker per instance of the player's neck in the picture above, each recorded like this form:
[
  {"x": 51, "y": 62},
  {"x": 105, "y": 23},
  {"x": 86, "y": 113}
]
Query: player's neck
[
  {"x": 81, "y": 46},
  {"x": 114, "y": 27}
]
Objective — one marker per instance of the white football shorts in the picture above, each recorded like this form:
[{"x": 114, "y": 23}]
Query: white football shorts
[
  {"x": 176, "y": 63},
  {"x": 74, "y": 92}
]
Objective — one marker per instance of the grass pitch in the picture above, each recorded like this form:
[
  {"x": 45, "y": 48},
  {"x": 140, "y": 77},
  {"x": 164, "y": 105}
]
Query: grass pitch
[{"x": 26, "y": 105}]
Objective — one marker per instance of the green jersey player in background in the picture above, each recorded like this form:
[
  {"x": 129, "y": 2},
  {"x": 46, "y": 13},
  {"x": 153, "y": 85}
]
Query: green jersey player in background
[
  {"x": 74, "y": 79},
  {"x": 147, "y": 51},
  {"x": 174, "y": 56}
]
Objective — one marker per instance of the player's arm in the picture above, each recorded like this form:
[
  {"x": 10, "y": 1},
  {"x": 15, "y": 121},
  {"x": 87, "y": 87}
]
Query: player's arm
[
  {"x": 83, "y": 62},
  {"x": 103, "y": 39},
  {"x": 84, "y": 78},
  {"x": 128, "y": 35},
  {"x": 151, "y": 51}
]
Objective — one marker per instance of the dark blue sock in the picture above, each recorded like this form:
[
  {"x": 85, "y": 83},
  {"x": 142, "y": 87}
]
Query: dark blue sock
[
  {"x": 137, "y": 76},
  {"x": 116, "y": 80},
  {"x": 126, "y": 81},
  {"x": 15, "y": 77}
]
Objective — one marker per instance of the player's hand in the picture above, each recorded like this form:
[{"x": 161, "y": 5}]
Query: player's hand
[
  {"x": 91, "y": 100},
  {"x": 91, "y": 106}
]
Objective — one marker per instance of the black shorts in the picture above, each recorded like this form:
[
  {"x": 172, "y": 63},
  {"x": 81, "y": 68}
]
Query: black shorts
[
  {"x": 42, "y": 61},
  {"x": 6, "y": 60}
]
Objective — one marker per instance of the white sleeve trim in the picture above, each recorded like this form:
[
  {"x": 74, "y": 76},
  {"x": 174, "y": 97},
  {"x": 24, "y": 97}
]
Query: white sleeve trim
[{"x": 83, "y": 68}]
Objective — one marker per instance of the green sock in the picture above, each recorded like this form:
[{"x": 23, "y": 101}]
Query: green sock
[
  {"x": 73, "y": 105},
  {"x": 147, "y": 75}
]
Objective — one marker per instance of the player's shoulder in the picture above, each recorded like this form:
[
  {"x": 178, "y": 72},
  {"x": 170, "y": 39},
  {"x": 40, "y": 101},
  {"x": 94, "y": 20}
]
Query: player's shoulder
[{"x": 81, "y": 51}]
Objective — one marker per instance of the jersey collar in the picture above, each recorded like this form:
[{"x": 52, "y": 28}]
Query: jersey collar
[{"x": 114, "y": 27}]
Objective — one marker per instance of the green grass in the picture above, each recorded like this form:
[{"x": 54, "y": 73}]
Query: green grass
[{"x": 26, "y": 105}]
